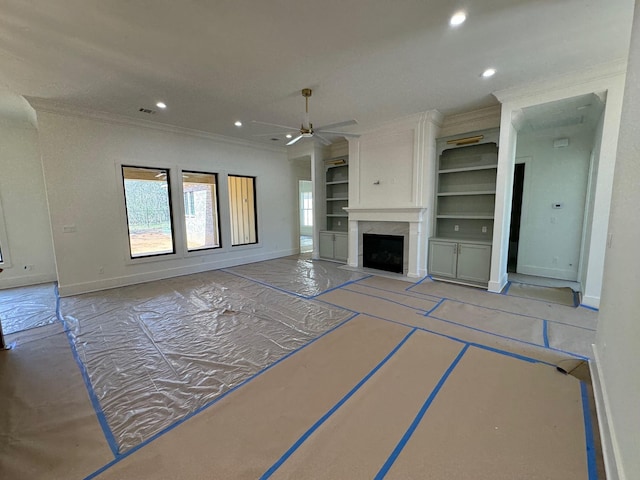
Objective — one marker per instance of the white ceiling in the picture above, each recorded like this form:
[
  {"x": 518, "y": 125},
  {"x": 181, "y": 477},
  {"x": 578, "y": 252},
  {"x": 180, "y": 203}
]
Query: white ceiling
[{"x": 220, "y": 61}]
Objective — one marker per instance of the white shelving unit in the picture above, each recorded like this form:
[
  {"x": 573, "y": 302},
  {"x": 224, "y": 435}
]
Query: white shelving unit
[
  {"x": 334, "y": 240},
  {"x": 464, "y": 209}
]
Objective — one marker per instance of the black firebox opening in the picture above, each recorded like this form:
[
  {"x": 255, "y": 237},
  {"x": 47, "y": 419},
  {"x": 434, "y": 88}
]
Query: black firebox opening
[{"x": 382, "y": 252}]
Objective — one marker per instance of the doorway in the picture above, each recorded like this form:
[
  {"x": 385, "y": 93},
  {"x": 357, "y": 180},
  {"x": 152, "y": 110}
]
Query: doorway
[
  {"x": 305, "y": 196},
  {"x": 516, "y": 215}
]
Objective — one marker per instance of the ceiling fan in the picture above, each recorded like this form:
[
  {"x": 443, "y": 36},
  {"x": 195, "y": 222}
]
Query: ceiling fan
[{"x": 306, "y": 130}]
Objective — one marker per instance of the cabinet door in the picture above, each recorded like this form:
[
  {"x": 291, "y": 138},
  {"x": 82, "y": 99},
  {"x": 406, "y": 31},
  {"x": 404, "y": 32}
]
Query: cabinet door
[
  {"x": 442, "y": 259},
  {"x": 326, "y": 245},
  {"x": 474, "y": 262},
  {"x": 341, "y": 247}
]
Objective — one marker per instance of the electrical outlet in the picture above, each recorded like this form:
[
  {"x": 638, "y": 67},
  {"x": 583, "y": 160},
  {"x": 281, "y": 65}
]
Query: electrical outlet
[
  {"x": 484, "y": 229},
  {"x": 28, "y": 268},
  {"x": 456, "y": 228}
]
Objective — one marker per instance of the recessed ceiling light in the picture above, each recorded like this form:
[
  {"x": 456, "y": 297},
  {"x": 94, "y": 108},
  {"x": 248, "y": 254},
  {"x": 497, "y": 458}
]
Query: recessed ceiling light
[
  {"x": 489, "y": 72},
  {"x": 238, "y": 123},
  {"x": 288, "y": 135},
  {"x": 458, "y": 18},
  {"x": 161, "y": 105}
]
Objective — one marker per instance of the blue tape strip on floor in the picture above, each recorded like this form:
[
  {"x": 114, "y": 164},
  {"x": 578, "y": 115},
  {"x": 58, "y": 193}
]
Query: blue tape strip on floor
[
  {"x": 124, "y": 455},
  {"x": 545, "y": 333},
  {"x": 459, "y": 340},
  {"x": 506, "y": 289},
  {"x": 324, "y": 418},
  {"x": 386, "y": 300},
  {"x": 576, "y": 355},
  {"x": 95, "y": 402},
  {"x": 428, "y": 277},
  {"x": 518, "y": 314},
  {"x": 404, "y": 293},
  {"x": 437, "y": 305},
  {"x": 418, "y": 418},
  {"x": 264, "y": 284},
  {"x": 594, "y": 309},
  {"x": 339, "y": 286},
  {"x": 592, "y": 466}
]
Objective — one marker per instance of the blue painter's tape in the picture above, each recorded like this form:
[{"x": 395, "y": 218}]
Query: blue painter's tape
[
  {"x": 404, "y": 294},
  {"x": 545, "y": 333},
  {"x": 386, "y": 300},
  {"x": 589, "y": 308},
  {"x": 264, "y": 284},
  {"x": 324, "y": 418},
  {"x": 124, "y": 455},
  {"x": 95, "y": 402},
  {"x": 339, "y": 286},
  {"x": 592, "y": 467},
  {"x": 517, "y": 314},
  {"x": 418, "y": 418},
  {"x": 524, "y": 358},
  {"x": 437, "y": 305},
  {"x": 428, "y": 277},
  {"x": 506, "y": 290},
  {"x": 582, "y": 357}
]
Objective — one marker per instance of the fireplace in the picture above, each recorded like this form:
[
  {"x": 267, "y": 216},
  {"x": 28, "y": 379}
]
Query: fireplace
[{"x": 383, "y": 252}]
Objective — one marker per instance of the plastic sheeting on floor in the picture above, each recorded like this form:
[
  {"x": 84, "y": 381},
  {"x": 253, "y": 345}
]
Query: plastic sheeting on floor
[
  {"x": 23, "y": 308},
  {"x": 157, "y": 352},
  {"x": 299, "y": 275}
]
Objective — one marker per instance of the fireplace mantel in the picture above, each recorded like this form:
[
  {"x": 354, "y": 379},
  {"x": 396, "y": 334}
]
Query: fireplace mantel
[
  {"x": 388, "y": 214},
  {"x": 412, "y": 217}
]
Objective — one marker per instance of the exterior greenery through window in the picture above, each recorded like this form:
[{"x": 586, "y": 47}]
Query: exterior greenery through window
[
  {"x": 148, "y": 202},
  {"x": 242, "y": 205},
  {"x": 201, "y": 210}
]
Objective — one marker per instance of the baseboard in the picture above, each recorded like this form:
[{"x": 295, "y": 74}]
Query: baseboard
[
  {"x": 115, "y": 282},
  {"x": 558, "y": 273},
  {"x": 27, "y": 280},
  {"x": 607, "y": 435},
  {"x": 497, "y": 287},
  {"x": 590, "y": 301}
]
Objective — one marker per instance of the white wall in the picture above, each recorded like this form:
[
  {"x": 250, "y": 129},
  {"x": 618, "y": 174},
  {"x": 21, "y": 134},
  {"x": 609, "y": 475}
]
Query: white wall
[
  {"x": 618, "y": 338},
  {"x": 550, "y": 238},
  {"x": 25, "y": 233},
  {"x": 82, "y": 157}
]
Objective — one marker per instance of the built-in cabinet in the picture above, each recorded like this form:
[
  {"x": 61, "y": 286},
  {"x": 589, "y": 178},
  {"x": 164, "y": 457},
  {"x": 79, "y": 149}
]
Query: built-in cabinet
[
  {"x": 466, "y": 174},
  {"x": 334, "y": 240}
]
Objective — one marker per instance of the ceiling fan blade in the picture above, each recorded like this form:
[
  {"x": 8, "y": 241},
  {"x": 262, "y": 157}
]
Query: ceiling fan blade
[
  {"x": 338, "y": 125},
  {"x": 323, "y": 140},
  {"x": 268, "y": 134},
  {"x": 354, "y": 135},
  {"x": 291, "y": 142},
  {"x": 275, "y": 125}
]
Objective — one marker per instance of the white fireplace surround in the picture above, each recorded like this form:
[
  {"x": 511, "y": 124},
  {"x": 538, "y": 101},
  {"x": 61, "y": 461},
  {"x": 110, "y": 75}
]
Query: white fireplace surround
[{"x": 408, "y": 222}]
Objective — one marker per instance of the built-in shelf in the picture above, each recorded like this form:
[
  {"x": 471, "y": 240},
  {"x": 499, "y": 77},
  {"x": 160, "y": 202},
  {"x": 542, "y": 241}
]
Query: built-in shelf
[
  {"x": 468, "y": 169},
  {"x": 456, "y": 194},
  {"x": 464, "y": 211},
  {"x": 334, "y": 238},
  {"x": 467, "y": 216}
]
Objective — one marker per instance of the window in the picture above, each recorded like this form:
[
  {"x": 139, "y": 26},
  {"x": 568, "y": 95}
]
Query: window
[
  {"x": 148, "y": 203},
  {"x": 306, "y": 204},
  {"x": 201, "y": 210},
  {"x": 242, "y": 203}
]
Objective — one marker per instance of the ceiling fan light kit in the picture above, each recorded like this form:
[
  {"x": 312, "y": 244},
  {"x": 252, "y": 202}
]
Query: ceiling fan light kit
[{"x": 306, "y": 129}]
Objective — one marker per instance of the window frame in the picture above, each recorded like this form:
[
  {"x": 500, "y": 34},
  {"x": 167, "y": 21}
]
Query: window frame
[
  {"x": 203, "y": 250},
  {"x": 174, "y": 233},
  {"x": 255, "y": 212}
]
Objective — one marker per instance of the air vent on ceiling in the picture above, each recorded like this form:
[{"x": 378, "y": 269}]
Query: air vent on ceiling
[{"x": 147, "y": 110}]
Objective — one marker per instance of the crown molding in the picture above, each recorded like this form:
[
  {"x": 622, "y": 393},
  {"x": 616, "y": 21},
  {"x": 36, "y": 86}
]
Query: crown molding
[
  {"x": 481, "y": 119},
  {"x": 597, "y": 74},
  {"x": 51, "y": 106}
]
